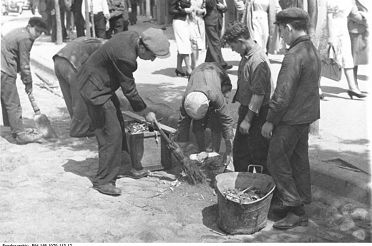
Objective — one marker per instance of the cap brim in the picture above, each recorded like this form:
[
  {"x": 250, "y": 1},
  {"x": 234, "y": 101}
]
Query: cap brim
[{"x": 163, "y": 56}]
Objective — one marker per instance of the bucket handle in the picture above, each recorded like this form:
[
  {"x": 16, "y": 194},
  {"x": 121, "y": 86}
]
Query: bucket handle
[{"x": 255, "y": 168}]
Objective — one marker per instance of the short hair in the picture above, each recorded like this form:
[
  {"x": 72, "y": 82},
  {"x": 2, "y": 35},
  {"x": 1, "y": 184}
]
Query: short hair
[
  {"x": 235, "y": 31},
  {"x": 38, "y": 22},
  {"x": 299, "y": 25}
]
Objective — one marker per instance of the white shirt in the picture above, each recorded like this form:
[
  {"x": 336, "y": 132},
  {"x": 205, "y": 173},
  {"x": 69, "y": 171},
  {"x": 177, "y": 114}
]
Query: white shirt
[{"x": 98, "y": 6}]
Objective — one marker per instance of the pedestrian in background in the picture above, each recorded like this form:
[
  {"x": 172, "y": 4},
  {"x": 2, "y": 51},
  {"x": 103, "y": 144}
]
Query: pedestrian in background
[
  {"x": 133, "y": 14},
  {"x": 76, "y": 8},
  {"x": 119, "y": 16},
  {"x": 67, "y": 63},
  {"x": 358, "y": 30},
  {"x": 213, "y": 20},
  {"x": 239, "y": 7},
  {"x": 110, "y": 67},
  {"x": 179, "y": 9},
  {"x": 15, "y": 58},
  {"x": 204, "y": 105},
  {"x": 253, "y": 94},
  {"x": 259, "y": 16},
  {"x": 294, "y": 105},
  {"x": 197, "y": 30},
  {"x": 101, "y": 15},
  {"x": 52, "y": 10},
  {"x": 338, "y": 37}
]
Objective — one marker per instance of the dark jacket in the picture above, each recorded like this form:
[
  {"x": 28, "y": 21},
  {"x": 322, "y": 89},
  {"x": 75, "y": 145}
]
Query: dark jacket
[
  {"x": 109, "y": 68},
  {"x": 210, "y": 82},
  {"x": 15, "y": 54},
  {"x": 79, "y": 50},
  {"x": 296, "y": 97},
  {"x": 119, "y": 7},
  {"x": 214, "y": 15},
  {"x": 177, "y": 9}
]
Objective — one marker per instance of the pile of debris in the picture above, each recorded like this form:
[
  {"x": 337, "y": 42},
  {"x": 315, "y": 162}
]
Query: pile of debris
[{"x": 248, "y": 195}]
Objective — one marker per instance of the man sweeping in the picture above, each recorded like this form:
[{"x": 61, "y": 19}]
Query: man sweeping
[
  {"x": 15, "y": 58},
  {"x": 110, "y": 67}
]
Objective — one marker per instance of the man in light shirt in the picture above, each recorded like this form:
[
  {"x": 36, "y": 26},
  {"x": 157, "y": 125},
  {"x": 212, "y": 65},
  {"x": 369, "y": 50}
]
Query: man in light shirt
[{"x": 101, "y": 15}]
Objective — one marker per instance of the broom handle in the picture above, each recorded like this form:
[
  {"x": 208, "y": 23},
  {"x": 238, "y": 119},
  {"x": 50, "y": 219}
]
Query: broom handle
[{"x": 33, "y": 103}]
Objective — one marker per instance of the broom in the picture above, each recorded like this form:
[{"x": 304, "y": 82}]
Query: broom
[{"x": 192, "y": 171}]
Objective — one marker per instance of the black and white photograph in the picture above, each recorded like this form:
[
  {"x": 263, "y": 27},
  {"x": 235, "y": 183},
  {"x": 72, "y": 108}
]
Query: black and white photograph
[{"x": 185, "y": 121}]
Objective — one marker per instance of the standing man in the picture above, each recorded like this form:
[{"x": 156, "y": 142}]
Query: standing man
[
  {"x": 101, "y": 15},
  {"x": 133, "y": 14},
  {"x": 110, "y": 67},
  {"x": 76, "y": 8},
  {"x": 213, "y": 20},
  {"x": 204, "y": 104},
  {"x": 119, "y": 16},
  {"x": 293, "y": 107},
  {"x": 67, "y": 63},
  {"x": 253, "y": 94},
  {"x": 15, "y": 58}
]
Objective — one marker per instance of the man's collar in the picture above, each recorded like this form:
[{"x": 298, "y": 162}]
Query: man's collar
[
  {"x": 251, "y": 51},
  {"x": 299, "y": 40}
]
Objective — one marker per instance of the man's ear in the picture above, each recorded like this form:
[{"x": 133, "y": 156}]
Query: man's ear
[{"x": 289, "y": 26}]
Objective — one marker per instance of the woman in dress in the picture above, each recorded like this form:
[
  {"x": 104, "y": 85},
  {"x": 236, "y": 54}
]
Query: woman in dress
[
  {"x": 338, "y": 37},
  {"x": 259, "y": 16},
  {"x": 180, "y": 9},
  {"x": 197, "y": 29}
]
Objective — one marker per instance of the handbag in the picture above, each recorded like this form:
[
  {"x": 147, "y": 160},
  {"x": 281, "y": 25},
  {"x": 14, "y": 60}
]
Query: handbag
[{"x": 330, "y": 68}]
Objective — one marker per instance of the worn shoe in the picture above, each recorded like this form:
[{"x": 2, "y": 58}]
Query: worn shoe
[
  {"x": 290, "y": 221},
  {"x": 135, "y": 174},
  {"x": 28, "y": 136},
  {"x": 108, "y": 189}
]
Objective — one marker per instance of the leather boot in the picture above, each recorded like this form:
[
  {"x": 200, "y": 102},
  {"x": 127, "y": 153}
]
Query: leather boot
[
  {"x": 291, "y": 220},
  {"x": 108, "y": 189}
]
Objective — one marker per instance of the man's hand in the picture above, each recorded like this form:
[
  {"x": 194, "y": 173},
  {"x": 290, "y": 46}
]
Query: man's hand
[
  {"x": 220, "y": 6},
  {"x": 267, "y": 129},
  {"x": 227, "y": 159},
  {"x": 188, "y": 10},
  {"x": 151, "y": 117},
  {"x": 244, "y": 127},
  {"x": 28, "y": 88}
]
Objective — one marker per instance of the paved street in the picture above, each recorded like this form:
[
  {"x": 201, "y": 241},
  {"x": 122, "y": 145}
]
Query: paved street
[{"x": 45, "y": 171}]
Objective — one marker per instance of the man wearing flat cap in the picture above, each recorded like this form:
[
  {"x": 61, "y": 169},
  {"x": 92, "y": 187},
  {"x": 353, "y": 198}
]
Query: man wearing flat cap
[
  {"x": 107, "y": 69},
  {"x": 292, "y": 108},
  {"x": 15, "y": 58},
  {"x": 204, "y": 104}
]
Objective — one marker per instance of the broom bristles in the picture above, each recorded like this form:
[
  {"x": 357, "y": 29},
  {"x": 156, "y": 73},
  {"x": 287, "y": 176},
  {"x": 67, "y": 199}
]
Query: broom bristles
[{"x": 193, "y": 172}]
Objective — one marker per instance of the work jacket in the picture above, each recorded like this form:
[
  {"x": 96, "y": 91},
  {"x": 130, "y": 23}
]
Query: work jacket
[
  {"x": 15, "y": 54},
  {"x": 109, "y": 68},
  {"x": 79, "y": 50},
  {"x": 296, "y": 96},
  {"x": 210, "y": 84}
]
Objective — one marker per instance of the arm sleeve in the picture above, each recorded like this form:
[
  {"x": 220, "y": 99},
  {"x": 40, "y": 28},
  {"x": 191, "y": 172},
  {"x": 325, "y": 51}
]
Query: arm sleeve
[
  {"x": 220, "y": 107},
  {"x": 128, "y": 85},
  {"x": 24, "y": 60},
  {"x": 183, "y": 125},
  {"x": 105, "y": 8},
  {"x": 284, "y": 91},
  {"x": 261, "y": 78}
]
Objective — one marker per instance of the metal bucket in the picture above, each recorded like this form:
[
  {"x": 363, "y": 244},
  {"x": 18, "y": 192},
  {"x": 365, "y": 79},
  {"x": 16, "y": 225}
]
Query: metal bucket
[{"x": 247, "y": 218}]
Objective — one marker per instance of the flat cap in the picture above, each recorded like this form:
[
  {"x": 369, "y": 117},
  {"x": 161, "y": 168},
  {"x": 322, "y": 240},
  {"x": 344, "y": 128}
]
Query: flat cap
[
  {"x": 155, "y": 40},
  {"x": 39, "y": 22},
  {"x": 291, "y": 14},
  {"x": 196, "y": 105}
]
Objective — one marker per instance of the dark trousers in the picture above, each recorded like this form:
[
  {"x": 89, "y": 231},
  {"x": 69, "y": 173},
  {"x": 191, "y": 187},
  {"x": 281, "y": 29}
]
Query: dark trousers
[
  {"x": 10, "y": 104},
  {"x": 288, "y": 163},
  {"x": 100, "y": 25},
  {"x": 54, "y": 26},
  {"x": 251, "y": 148},
  {"x": 133, "y": 14},
  {"x": 214, "y": 53},
  {"x": 78, "y": 18},
  {"x": 66, "y": 75},
  {"x": 117, "y": 24},
  {"x": 108, "y": 123}
]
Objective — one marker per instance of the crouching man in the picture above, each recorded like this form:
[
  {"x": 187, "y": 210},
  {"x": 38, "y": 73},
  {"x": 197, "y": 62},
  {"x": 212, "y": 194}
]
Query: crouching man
[
  {"x": 107, "y": 69},
  {"x": 205, "y": 105}
]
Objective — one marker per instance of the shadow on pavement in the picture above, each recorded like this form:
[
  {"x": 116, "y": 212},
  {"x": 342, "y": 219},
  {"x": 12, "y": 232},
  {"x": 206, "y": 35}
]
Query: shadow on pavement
[{"x": 85, "y": 168}]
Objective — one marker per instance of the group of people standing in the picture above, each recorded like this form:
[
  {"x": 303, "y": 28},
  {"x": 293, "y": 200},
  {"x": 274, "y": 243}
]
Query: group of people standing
[
  {"x": 200, "y": 24},
  {"x": 107, "y": 16}
]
